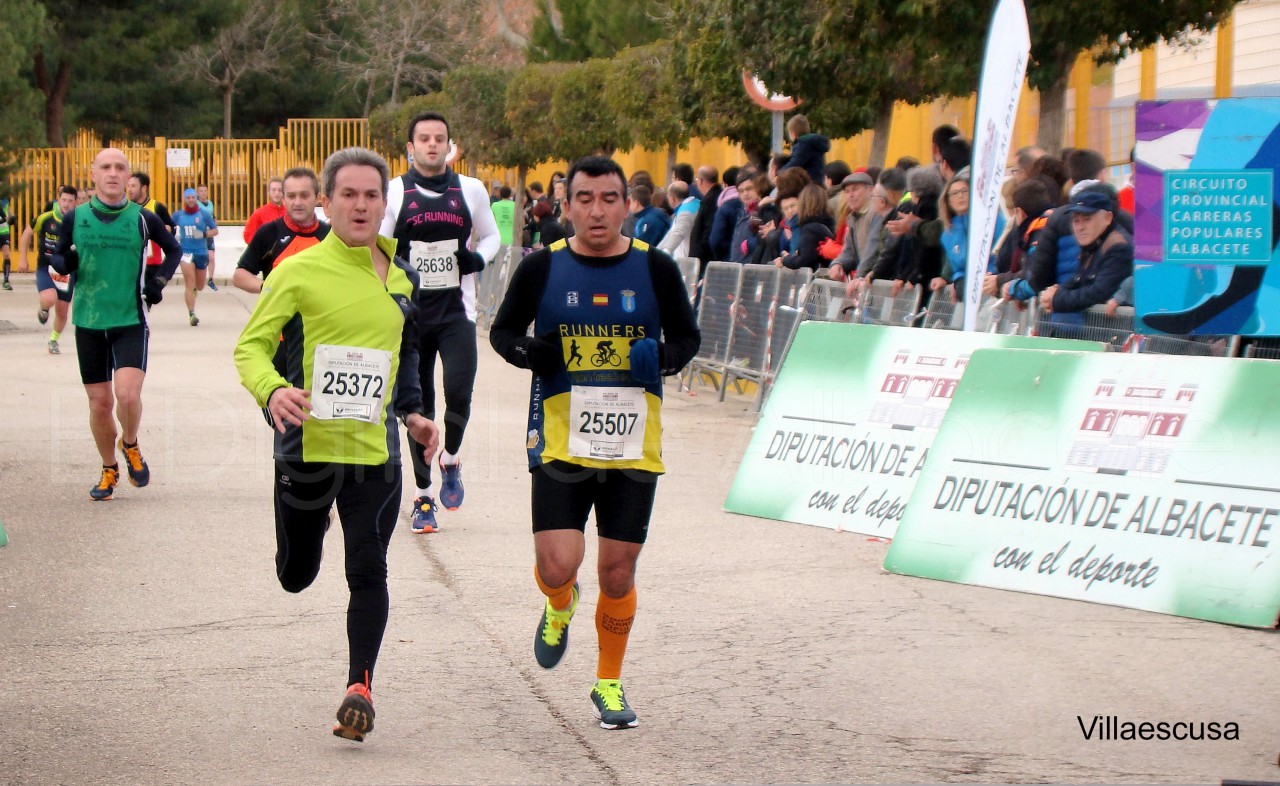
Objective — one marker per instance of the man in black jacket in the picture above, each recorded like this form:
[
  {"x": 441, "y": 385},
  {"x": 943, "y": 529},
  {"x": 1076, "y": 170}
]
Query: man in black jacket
[{"x": 708, "y": 181}]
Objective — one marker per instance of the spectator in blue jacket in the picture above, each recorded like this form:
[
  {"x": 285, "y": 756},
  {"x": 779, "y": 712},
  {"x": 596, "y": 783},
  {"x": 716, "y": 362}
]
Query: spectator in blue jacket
[
  {"x": 954, "y": 210},
  {"x": 651, "y": 223}
]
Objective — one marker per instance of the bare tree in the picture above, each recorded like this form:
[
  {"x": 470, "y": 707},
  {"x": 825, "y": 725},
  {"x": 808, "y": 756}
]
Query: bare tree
[
  {"x": 395, "y": 45},
  {"x": 250, "y": 44}
]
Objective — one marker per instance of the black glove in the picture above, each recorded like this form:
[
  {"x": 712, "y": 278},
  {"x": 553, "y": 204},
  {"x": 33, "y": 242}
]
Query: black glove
[
  {"x": 545, "y": 354},
  {"x": 153, "y": 290},
  {"x": 469, "y": 262}
]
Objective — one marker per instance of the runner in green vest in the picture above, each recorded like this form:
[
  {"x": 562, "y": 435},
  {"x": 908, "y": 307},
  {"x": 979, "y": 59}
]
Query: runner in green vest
[
  {"x": 104, "y": 242},
  {"x": 504, "y": 212}
]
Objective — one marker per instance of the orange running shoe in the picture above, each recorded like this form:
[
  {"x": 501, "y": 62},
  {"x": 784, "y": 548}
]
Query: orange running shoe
[
  {"x": 355, "y": 714},
  {"x": 106, "y": 485}
]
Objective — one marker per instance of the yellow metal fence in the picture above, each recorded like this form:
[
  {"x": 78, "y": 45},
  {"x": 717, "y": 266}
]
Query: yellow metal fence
[{"x": 237, "y": 170}]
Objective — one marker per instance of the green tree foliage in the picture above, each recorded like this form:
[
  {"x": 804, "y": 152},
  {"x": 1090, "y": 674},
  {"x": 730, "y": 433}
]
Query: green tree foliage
[
  {"x": 247, "y": 42},
  {"x": 100, "y": 65},
  {"x": 529, "y": 95},
  {"x": 708, "y": 63},
  {"x": 569, "y": 31},
  {"x": 385, "y": 48},
  {"x": 849, "y": 61},
  {"x": 645, "y": 96},
  {"x": 478, "y": 95},
  {"x": 585, "y": 122},
  {"x": 1111, "y": 29},
  {"x": 23, "y": 27},
  {"x": 20, "y": 118}
]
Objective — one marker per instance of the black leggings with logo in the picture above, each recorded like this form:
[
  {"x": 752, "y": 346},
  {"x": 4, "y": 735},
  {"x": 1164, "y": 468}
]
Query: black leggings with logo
[
  {"x": 455, "y": 343},
  {"x": 367, "y": 498}
]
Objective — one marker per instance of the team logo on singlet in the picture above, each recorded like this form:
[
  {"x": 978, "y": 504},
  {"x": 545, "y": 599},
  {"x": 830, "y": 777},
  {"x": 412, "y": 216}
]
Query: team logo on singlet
[
  {"x": 454, "y": 203},
  {"x": 571, "y": 299},
  {"x": 628, "y": 300}
]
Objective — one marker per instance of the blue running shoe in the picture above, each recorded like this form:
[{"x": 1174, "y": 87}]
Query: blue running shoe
[
  {"x": 552, "y": 637},
  {"x": 451, "y": 486},
  {"x": 212, "y": 285},
  {"x": 424, "y": 517},
  {"x": 139, "y": 472}
]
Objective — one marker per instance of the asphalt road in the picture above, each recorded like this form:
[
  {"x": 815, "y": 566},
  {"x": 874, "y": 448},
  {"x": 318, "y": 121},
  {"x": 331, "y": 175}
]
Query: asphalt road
[{"x": 146, "y": 641}]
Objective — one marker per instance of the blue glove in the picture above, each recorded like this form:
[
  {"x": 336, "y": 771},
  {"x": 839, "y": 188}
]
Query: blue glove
[{"x": 645, "y": 365}]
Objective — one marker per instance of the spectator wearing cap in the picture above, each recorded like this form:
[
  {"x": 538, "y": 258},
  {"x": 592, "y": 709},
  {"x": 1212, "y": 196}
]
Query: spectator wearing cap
[
  {"x": 808, "y": 150},
  {"x": 1106, "y": 257},
  {"x": 1057, "y": 254},
  {"x": 856, "y": 188}
]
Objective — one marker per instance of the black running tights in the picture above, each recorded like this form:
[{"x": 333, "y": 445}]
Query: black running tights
[{"x": 367, "y": 498}]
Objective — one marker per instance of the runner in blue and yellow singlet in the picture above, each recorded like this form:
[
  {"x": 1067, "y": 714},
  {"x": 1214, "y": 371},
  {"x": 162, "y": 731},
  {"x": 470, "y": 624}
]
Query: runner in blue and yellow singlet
[{"x": 610, "y": 317}]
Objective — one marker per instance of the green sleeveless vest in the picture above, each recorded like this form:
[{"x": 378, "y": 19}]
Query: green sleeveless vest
[{"x": 109, "y": 281}]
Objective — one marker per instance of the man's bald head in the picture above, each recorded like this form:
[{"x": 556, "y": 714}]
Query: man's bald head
[{"x": 110, "y": 174}]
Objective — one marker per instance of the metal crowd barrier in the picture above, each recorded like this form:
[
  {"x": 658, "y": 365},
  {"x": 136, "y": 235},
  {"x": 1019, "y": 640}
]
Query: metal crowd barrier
[
  {"x": 720, "y": 286},
  {"x": 689, "y": 271},
  {"x": 880, "y": 306},
  {"x": 1118, "y": 333},
  {"x": 944, "y": 313},
  {"x": 491, "y": 283},
  {"x": 1267, "y": 348},
  {"x": 749, "y": 315}
]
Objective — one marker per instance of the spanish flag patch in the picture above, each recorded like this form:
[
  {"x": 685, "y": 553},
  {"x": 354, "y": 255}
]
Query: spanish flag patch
[{"x": 599, "y": 300}]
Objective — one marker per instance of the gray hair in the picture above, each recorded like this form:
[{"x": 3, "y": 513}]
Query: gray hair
[
  {"x": 354, "y": 156},
  {"x": 924, "y": 180}
]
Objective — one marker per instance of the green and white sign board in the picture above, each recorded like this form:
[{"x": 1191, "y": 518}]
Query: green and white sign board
[
  {"x": 849, "y": 423},
  {"x": 1143, "y": 481}
]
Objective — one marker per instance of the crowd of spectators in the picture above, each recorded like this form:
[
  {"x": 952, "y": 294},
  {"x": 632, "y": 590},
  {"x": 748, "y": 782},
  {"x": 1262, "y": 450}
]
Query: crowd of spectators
[{"x": 1064, "y": 237}]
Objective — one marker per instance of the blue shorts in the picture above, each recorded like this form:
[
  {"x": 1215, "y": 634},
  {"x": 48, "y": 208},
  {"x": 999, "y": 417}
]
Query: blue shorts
[
  {"x": 201, "y": 261},
  {"x": 44, "y": 280}
]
